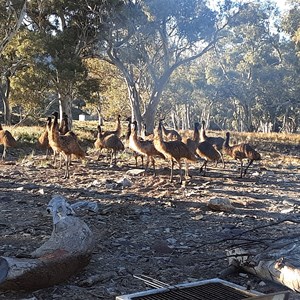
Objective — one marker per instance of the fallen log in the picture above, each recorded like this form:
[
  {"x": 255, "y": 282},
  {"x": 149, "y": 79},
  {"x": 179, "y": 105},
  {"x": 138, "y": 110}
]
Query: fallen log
[
  {"x": 67, "y": 251},
  {"x": 279, "y": 263}
]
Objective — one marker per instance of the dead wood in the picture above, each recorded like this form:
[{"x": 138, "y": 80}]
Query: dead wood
[
  {"x": 278, "y": 263},
  {"x": 66, "y": 252}
]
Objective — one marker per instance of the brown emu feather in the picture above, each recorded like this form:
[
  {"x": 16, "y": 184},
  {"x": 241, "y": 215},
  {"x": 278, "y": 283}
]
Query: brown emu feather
[
  {"x": 7, "y": 140},
  {"x": 145, "y": 148},
  {"x": 173, "y": 151},
  {"x": 240, "y": 152},
  {"x": 110, "y": 142},
  {"x": 64, "y": 144}
]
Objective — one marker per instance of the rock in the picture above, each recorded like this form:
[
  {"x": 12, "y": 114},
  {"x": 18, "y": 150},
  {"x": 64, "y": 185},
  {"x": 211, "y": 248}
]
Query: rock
[
  {"x": 125, "y": 182},
  {"x": 135, "y": 172},
  {"x": 220, "y": 204}
]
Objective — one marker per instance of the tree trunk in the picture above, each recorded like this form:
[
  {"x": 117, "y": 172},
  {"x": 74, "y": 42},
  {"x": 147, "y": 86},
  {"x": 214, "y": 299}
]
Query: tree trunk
[
  {"x": 5, "y": 92},
  {"x": 65, "y": 106},
  {"x": 134, "y": 99},
  {"x": 7, "y": 111},
  {"x": 150, "y": 112},
  {"x": 174, "y": 119}
]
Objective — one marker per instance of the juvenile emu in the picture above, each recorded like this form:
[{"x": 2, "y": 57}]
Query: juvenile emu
[
  {"x": 110, "y": 142},
  {"x": 43, "y": 140},
  {"x": 128, "y": 133},
  {"x": 64, "y": 125},
  {"x": 64, "y": 144},
  {"x": 193, "y": 143},
  {"x": 240, "y": 152},
  {"x": 173, "y": 151},
  {"x": 117, "y": 131},
  {"x": 217, "y": 142},
  {"x": 169, "y": 134},
  {"x": 7, "y": 140},
  {"x": 145, "y": 148},
  {"x": 208, "y": 152}
]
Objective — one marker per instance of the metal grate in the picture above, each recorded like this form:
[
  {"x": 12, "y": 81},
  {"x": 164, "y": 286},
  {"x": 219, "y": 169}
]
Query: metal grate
[{"x": 209, "y": 291}]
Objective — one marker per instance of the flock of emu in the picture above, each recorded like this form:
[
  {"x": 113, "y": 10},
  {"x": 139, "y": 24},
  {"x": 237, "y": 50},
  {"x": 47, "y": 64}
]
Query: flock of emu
[{"x": 163, "y": 143}]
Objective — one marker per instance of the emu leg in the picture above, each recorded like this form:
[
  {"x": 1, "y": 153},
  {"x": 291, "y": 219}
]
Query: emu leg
[
  {"x": 172, "y": 167},
  {"x": 4, "y": 153},
  {"x": 147, "y": 164},
  {"x": 115, "y": 153},
  {"x": 186, "y": 170},
  {"x": 241, "y": 175},
  {"x": 136, "y": 159},
  {"x": 250, "y": 163},
  {"x": 180, "y": 171},
  {"x": 203, "y": 167},
  {"x": 54, "y": 158},
  {"x": 113, "y": 157},
  {"x": 67, "y": 160},
  {"x": 222, "y": 159},
  {"x": 153, "y": 165}
]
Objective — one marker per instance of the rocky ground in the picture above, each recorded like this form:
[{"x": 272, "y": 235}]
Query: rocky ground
[{"x": 152, "y": 227}]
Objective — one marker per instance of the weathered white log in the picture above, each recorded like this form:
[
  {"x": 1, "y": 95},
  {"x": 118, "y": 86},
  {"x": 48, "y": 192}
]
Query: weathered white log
[
  {"x": 279, "y": 263},
  {"x": 66, "y": 252}
]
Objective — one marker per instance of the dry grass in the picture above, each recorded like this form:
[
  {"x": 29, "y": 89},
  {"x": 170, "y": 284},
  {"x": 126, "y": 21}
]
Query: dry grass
[
  {"x": 286, "y": 138},
  {"x": 279, "y": 143},
  {"x": 249, "y": 137},
  {"x": 86, "y": 131}
]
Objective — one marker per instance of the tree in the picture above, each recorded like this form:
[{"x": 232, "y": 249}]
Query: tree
[
  {"x": 108, "y": 100},
  {"x": 247, "y": 60},
  {"x": 11, "y": 16},
  {"x": 291, "y": 23},
  {"x": 64, "y": 27},
  {"x": 148, "y": 41}
]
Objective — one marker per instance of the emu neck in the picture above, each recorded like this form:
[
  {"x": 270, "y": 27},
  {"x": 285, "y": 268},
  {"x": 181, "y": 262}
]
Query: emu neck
[
  {"x": 164, "y": 130},
  {"x": 226, "y": 143},
  {"x": 203, "y": 135},
  {"x": 158, "y": 142},
  {"x": 133, "y": 135},
  {"x": 196, "y": 137},
  {"x": 128, "y": 133},
  {"x": 54, "y": 129}
]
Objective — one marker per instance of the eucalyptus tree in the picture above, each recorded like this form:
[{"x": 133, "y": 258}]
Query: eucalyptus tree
[
  {"x": 11, "y": 17},
  {"x": 30, "y": 88},
  {"x": 148, "y": 40},
  {"x": 291, "y": 22},
  {"x": 246, "y": 55},
  {"x": 185, "y": 97},
  {"x": 65, "y": 29},
  {"x": 249, "y": 79},
  {"x": 109, "y": 99}
]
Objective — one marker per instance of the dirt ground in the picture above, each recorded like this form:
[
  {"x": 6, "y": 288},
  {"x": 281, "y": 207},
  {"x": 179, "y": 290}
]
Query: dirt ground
[{"x": 153, "y": 227}]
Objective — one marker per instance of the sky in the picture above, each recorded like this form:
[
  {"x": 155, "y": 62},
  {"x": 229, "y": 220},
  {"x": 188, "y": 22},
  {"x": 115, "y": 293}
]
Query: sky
[{"x": 281, "y": 4}]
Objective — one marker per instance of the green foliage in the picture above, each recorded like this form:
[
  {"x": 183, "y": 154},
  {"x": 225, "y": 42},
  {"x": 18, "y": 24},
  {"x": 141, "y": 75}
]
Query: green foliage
[
  {"x": 110, "y": 92},
  {"x": 291, "y": 23},
  {"x": 251, "y": 75}
]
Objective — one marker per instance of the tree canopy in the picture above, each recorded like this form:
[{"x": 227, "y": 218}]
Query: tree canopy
[{"x": 235, "y": 63}]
